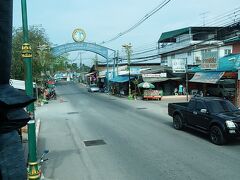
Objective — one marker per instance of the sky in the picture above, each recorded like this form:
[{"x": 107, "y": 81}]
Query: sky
[{"x": 104, "y": 19}]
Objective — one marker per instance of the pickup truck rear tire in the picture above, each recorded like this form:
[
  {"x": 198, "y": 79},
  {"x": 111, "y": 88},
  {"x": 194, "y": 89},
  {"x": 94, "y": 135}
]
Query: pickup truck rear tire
[
  {"x": 216, "y": 135},
  {"x": 177, "y": 122}
]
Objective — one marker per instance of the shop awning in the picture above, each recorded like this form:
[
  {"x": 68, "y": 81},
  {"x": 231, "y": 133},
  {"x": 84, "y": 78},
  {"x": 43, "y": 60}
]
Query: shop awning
[
  {"x": 159, "y": 79},
  {"x": 207, "y": 77},
  {"x": 89, "y": 74},
  {"x": 120, "y": 79}
]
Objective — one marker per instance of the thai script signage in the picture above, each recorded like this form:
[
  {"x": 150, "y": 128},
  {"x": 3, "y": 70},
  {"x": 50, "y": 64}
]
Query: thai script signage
[
  {"x": 154, "y": 75},
  {"x": 103, "y": 51},
  {"x": 230, "y": 75},
  {"x": 179, "y": 65},
  {"x": 207, "y": 77},
  {"x": 209, "y": 60}
]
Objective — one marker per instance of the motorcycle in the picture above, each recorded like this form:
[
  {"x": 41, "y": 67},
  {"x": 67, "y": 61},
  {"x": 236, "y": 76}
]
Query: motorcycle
[{"x": 51, "y": 94}]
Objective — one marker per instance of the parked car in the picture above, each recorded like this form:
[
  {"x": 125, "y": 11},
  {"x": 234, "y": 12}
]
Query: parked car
[
  {"x": 93, "y": 88},
  {"x": 215, "y": 116},
  {"x": 225, "y": 88}
]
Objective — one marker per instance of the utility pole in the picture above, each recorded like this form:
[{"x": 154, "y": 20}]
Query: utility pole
[
  {"x": 96, "y": 61},
  {"x": 186, "y": 67},
  {"x": 117, "y": 61},
  {"x": 128, "y": 52},
  {"x": 33, "y": 171},
  {"x": 114, "y": 64},
  {"x": 107, "y": 76},
  {"x": 12, "y": 102},
  {"x": 41, "y": 49},
  {"x": 80, "y": 56},
  {"x": 204, "y": 17}
]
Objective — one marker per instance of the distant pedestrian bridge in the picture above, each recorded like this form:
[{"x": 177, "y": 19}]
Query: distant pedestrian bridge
[{"x": 84, "y": 46}]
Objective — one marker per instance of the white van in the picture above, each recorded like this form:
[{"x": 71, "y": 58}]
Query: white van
[{"x": 224, "y": 88}]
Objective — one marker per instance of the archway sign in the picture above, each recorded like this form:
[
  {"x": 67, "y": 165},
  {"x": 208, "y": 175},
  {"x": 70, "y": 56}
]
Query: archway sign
[{"x": 85, "y": 46}]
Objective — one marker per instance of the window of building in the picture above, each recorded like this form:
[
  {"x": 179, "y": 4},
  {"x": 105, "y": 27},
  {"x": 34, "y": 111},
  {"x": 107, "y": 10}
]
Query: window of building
[
  {"x": 189, "y": 53},
  {"x": 173, "y": 56},
  {"x": 198, "y": 60},
  {"x": 227, "y": 51},
  {"x": 164, "y": 60},
  {"x": 205, "y": 50}
]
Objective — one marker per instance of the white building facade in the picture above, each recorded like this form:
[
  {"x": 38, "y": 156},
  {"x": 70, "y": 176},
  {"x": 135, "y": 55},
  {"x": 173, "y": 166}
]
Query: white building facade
[{"x": 196, "y": 45}]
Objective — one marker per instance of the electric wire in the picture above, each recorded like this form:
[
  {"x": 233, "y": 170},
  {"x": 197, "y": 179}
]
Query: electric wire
[
  {"x": 222, "y": 18},
  {"x": 212, "y": 21},
  {"x": 156, "y": 9},
  {"x": 225, "y": 20},
  {"x": 194, "y": 49}
]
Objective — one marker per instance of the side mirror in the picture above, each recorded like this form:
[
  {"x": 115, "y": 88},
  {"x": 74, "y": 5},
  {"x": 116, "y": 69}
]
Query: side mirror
[{"x": 203, "y": 111}]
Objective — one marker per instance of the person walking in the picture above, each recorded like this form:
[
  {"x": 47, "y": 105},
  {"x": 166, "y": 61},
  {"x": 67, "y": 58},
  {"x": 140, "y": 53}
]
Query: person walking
[{"x": 180, "y": 89}]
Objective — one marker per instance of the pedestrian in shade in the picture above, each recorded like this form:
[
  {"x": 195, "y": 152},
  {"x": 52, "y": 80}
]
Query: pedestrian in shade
[{"x": 180, "y": 89}]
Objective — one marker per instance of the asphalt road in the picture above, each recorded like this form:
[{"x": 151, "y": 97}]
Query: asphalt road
[{"x": 140, "y": 143}]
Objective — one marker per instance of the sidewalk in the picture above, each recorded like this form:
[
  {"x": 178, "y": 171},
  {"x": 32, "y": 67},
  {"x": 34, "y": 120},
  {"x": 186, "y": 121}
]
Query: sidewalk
[
  {"x": 164, "y": 98},
  {"x": 178, "y": 97},
  {"x": 25, "y": 137}
]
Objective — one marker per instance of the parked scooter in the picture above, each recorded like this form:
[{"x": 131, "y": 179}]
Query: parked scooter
[{"x": 51, "y": 94}]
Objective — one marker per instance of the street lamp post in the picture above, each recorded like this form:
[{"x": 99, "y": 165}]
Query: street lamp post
[
  {"x": 128, "y": 52},
  {"x": 33, "y": 171}
]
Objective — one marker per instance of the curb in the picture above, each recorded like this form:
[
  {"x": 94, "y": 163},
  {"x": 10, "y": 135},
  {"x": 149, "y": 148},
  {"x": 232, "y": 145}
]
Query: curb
[{"x": 38, "y": 124}]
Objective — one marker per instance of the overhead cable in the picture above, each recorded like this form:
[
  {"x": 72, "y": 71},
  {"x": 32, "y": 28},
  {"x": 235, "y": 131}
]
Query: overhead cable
[{"x": 144, "y": 18}]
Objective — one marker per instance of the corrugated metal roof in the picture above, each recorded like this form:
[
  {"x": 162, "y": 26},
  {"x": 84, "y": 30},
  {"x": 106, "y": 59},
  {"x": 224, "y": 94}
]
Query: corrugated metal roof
[
  {"x": 233, "y": 39},
  {"x": 230, "y": 62},
  {"x": 207, "y": 77},
  {"x": 171, "y": 34}
]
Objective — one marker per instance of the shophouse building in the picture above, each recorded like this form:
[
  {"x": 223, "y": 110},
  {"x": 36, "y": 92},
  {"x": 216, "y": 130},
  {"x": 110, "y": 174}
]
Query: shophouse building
[{"x": 195, "y": 49}]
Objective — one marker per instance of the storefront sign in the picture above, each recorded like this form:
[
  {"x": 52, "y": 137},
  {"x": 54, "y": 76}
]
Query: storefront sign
[
  {"x": 207, "y": 77},
  {"x": 154, "y": 75},
  {"x": 179, "y": 65},
  {"x": 230, "y": 75},
  {"x": 209, "y": 60}
]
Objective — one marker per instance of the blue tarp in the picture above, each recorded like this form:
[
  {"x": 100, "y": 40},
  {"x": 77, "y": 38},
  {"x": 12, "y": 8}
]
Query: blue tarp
[
  {"x": 207, "y": 77},
  {"x": 229, "y": 63},
  {"x": 120, "y": 79}
]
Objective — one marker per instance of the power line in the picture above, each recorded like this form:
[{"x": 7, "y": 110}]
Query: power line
[
  {"x": 144, "y": 18},
  {"x": 229, "y": 13},
  {"x": 157, "y": 55},
  {"x": 233, "y": 14},
  {"x": 219, "y": 18},
  {"x": 225, "y": 23}
]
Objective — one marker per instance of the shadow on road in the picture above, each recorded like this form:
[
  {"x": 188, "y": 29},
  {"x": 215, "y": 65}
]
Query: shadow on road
[{"x": 231, "y": 142}]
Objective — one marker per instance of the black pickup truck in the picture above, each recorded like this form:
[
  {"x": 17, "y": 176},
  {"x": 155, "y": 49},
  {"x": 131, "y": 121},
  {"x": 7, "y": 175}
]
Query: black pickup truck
[{"x": 212, "y": 115}]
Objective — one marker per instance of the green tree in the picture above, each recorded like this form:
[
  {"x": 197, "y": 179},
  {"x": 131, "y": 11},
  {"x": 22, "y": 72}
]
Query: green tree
[
  {"x": 37, "y": 36},
  {"x": 43, "y": 60}
]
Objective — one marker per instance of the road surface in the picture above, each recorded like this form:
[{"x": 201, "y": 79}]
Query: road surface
[{"x": 135, "y": 141}]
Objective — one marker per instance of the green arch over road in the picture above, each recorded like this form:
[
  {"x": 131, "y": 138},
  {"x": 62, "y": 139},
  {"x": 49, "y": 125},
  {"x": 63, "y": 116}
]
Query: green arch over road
[{"x": 85, "y": 46}]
